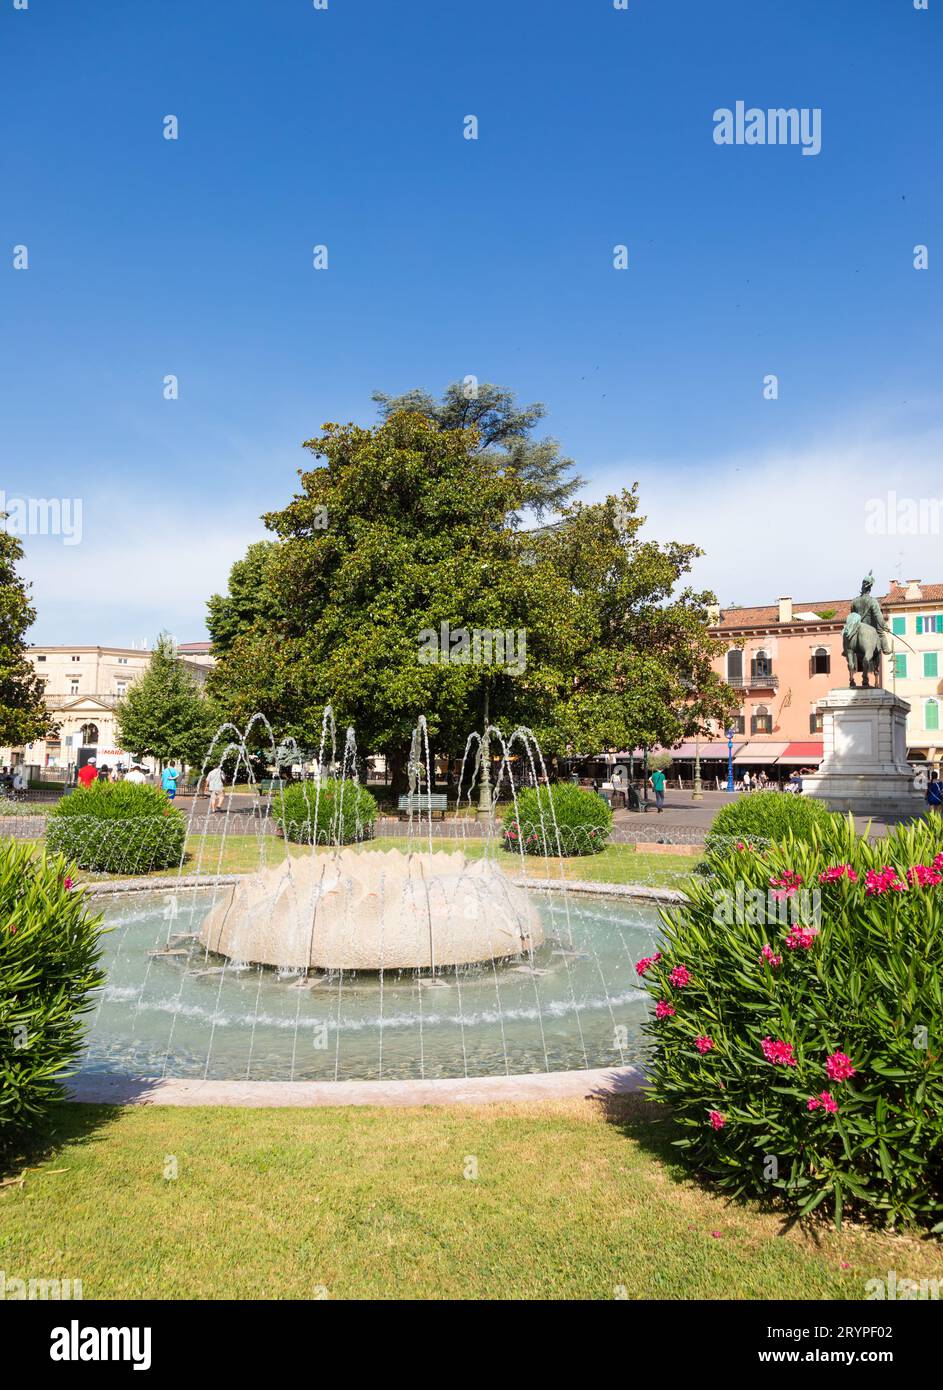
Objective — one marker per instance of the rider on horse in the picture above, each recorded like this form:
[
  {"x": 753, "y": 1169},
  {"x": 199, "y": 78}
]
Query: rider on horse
[{"x": 865, "y": 636}]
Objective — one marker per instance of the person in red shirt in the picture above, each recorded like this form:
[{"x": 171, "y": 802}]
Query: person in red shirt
[{"x": 88, "y": 773}]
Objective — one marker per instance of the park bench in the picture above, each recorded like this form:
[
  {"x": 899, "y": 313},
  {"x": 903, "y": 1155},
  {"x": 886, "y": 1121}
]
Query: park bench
[
  {"x": 269, "y": 785},
  {"x": 422, "y": 803}
]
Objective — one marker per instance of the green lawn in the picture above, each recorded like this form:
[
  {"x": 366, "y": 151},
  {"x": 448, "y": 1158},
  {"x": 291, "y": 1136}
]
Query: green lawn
[
  {"x": 616, "y": 863},
  {"x": 374, "y": 1203}
]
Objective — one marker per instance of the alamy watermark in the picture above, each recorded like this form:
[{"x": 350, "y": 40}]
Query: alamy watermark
[
  {"x": 758, "y": 906},
  {"x": 42, "y": 516},
  {"x": 902, "y": 516},
  {"x": 462, "y": 646},
  {"x": 21, "y": 1290},
  {"x": 793, "y": 125}
]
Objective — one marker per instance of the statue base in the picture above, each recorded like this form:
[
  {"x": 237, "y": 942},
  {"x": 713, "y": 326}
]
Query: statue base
[{"x": 865, "y": 767}]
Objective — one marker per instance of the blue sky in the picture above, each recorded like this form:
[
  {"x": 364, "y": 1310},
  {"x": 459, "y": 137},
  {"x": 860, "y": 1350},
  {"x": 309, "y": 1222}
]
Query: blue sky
[{"x": 447, "y": 256}]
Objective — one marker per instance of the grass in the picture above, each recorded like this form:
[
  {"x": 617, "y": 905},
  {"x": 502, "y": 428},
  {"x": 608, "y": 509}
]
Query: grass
[
  {"x": 24, "y": 808},
  {"x": 369, "y": 1203},
  {"x": 616, "y": 864}
]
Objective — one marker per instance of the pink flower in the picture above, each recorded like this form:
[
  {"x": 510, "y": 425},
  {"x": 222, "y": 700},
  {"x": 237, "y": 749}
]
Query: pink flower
[
  {"x": 771, "y": 959},
  {"x": 825, "y": 1100},
  {"x": 879, "y": 881},
  {"x": 68, "y": 885},
  {"x": 663, "y": 1009},
  {"x": 803, "y": 937},
  {"x": 680, "y": 977},
  {"x": 789, "y": 883},
  {"x": 717, "y": 1119},
  {"x": 779, "y": 1053},
  {"x": 923, "y": 876},
  {"x": 703, "y": 1043},
  {"x": 646, "y": 962},
  {"x": 838, "y": 871},
  {"x": 839, "y": 1067}
]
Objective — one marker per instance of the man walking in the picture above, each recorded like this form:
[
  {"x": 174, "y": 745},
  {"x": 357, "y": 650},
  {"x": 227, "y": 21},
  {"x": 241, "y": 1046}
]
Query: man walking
[
  {"x": 934, "y": 792},
  {"x": 169, "y": 781},
  {"x": 215, "y": 785},
  {"x": 88, "y": 774},
  {"x": 657, "y": 781}
]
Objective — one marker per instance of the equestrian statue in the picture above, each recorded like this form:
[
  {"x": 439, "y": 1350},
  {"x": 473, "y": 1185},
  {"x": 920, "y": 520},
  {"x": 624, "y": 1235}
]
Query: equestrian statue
[{"x": 866, "y": 635}]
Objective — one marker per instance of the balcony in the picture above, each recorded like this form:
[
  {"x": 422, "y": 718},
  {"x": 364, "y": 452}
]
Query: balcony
[{"x": 757, "y": 682}]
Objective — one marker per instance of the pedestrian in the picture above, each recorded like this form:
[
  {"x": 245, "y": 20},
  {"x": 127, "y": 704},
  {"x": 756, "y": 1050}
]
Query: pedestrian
[
  {"x": 104, "y": 773},
  {"x": 136, "y": 775},
  {"x": 746, "y": 781},
  {"x": 169, "y": 781},
  {"x": 88, "y": 774},
  {"x": 215, "y": 786},
  {"x": 935, "y": 792},
  {"x": 657, "y": 781}
]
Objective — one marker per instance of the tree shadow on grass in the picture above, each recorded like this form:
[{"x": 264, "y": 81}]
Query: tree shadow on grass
[{"x": 68, "y": 1122}]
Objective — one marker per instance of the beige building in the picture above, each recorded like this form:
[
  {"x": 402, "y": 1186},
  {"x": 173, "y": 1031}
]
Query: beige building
[
  {"x": 915, "y": 671},
  {"x": 82, "y": 688}
]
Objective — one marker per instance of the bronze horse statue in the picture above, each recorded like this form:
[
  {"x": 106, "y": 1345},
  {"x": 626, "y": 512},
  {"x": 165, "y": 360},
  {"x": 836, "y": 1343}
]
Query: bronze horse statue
[{"x": 865, "y": 637}]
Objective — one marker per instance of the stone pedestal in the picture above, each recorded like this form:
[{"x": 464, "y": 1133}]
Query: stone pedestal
[{"x": 865, "y": 769}]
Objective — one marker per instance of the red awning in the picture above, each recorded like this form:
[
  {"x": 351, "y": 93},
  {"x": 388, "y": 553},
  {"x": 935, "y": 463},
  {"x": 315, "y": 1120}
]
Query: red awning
[{"x": 798, "y": 753}]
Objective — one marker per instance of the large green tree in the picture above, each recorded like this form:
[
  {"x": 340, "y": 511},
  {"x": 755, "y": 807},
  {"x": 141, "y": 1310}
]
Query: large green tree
[
  {"x": 165, "y": 714},
  {"x": 504, "y": 434},
  {"x": 247, "y": 601},
  {"x": 418, "y": 534},
  {"x": 23, "y": 715}
]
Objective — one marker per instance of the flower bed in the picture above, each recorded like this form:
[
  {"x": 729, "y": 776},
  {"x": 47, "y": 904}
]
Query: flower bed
[
  {"x": 798, "y": 1021},
  {"x": 560, "y": 820},
  {"x": 118, "y": 828}
]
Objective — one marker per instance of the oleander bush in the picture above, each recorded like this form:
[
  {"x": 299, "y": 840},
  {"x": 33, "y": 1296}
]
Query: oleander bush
[
  {"x": 117, "y": 827},
  {"x": 798, "y": 1024},
  {"x": 336, "y": 813},
  {"x": 769, "y": 816},
  {"x": 562, "y": 819},
  {"x": 49, "y": 952}
]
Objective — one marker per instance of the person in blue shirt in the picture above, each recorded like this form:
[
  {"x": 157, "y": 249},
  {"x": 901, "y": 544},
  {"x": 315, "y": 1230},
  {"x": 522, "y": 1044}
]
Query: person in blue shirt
[
  {"x": 169, "y": 781},
  {"x": 935, "y": 792}
]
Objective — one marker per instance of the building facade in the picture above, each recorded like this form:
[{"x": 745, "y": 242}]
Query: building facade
[
  {"x": 915, "y": 671},
  {"x": 83, "y": 686}
]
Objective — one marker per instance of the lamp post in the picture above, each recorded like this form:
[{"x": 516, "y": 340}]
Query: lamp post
[
  {"x": 730, "y": 760},
  {"x": 697, "y": 794},
  {"x": 484, "y": 793}
]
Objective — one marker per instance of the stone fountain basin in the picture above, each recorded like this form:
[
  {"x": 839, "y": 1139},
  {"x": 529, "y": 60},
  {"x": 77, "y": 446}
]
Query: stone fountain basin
[{"x": 373, "y": 910}]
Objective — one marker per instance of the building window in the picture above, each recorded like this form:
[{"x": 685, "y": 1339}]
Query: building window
[
  {"x": 40, "y": 658},
  {"x": 931, "y": 714},
  {"x": 900, "y": 665},
  {"x": 76, "y": 658},
  {"x": 816, "y": 722},
  {"x": 89, "y": 734},
  {"x": 933, "y": 622},
  {"x": 122, "y": 661},
  {"x": 761, "y": 666},
  {"x": 899, "y": 626},
  {"x": 931, "y": 662},
  {"x": 735, "y": 667},
  {"x": 738, "y": 725},
  {"x": 121, "y": 687},
  {"x": 821, "y": 662},
  {"x": 761, "y": 721},
  {"x": 73, "y": 685}
]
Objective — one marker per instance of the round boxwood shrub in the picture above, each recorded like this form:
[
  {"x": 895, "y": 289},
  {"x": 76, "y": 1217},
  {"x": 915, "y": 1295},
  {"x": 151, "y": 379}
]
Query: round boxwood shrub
[
  {"x": 117, "y": 828},
  {"x": 561, "y": 819},
  {"x": 761, "y": 816},
  {"x": 49, "y": 951},
  {"x": 338, "y": 813},
  {"x": 798, "y": 1022}
]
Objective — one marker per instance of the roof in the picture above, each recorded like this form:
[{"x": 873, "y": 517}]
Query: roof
[
  {"x": 929, "y": 593},
  {"x": 195, "y": 647},
  {"x": 767, "y": 614}
]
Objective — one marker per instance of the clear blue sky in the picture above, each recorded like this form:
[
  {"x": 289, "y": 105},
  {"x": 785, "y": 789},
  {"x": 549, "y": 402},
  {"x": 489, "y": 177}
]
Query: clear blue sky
[{"x": 448, "y": 257}]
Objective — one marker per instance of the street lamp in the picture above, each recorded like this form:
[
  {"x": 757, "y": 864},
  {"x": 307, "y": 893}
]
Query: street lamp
[
  {"x": 730, "y": 760},
  {"x": 697, "y": 794}
]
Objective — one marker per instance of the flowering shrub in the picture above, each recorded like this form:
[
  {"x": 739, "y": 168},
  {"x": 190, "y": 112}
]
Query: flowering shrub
[
  {"x": 336, "y": 814},
  {"x": 560, "y": 820},
  {"x": 118, "y": 828},
  {"x": 49, "y": 954},
  {"x": 804, "y": 1058}
]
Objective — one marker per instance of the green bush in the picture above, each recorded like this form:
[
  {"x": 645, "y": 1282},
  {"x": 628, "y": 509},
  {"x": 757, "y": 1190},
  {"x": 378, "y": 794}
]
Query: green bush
[
  {"x": 563, "y": 819},
  {"x": 337, "y": 814},
  {"x": 49, "y": 951},
  {"x": 117, "y": 827},
  {"x": 768, "y": 816},
  {"x": 798, "y": 1029}
]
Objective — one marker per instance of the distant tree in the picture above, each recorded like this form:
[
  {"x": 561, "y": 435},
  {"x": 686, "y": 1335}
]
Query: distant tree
[
  {"x": 504, "y": 429},
  {"x": 165, "y": 715},
  {"x": 247, "y": 601},
  {"x": 23, "y": 714}
]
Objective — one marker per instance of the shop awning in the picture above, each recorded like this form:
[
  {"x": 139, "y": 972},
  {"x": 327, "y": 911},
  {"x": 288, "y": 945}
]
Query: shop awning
[
  {"x": 795, "y": 754},
  {"x": 708, "y": 750},
  {"x": 760, "y": 751}
]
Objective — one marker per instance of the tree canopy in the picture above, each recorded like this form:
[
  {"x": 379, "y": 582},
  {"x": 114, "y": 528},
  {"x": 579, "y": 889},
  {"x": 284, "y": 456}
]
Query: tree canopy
[
  {"x": 23, "y": 715},
  {"x": 165, "y": 714}
]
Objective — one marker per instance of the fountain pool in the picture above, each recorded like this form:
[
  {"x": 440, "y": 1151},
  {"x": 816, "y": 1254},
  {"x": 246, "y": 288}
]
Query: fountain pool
[{"x": 188, "y": 1013}]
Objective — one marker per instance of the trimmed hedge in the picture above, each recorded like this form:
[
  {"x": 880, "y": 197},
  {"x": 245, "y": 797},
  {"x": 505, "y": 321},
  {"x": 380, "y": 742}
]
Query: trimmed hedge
[
  {"x": 798, "y": 1027},
  {"x": 338, "y": 813},
  {"x": 563, "y": 819},
  {"x": 49, "y": 952},
  {"x": 769, "y": 816},
  {"x": 117, "y": 827}
]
